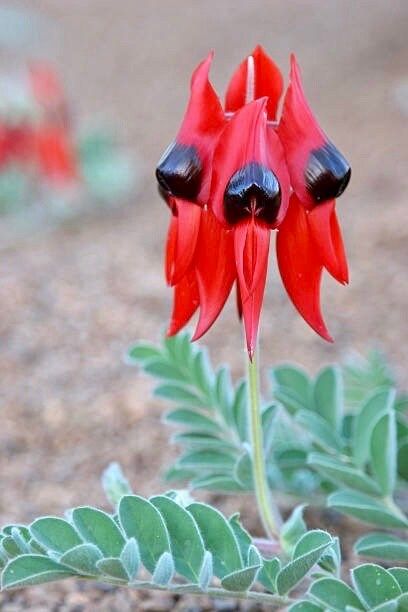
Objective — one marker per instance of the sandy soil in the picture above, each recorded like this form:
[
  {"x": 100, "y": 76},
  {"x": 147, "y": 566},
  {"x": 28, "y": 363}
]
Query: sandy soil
[{"x": 72, "y": 301}]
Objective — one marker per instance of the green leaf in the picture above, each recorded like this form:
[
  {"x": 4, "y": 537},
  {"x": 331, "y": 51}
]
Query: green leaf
[
  {"x": 240, "y": 580},
  {"x": 111, "y": 566},
  {"x": 207, "y": 459},
  {"x": 82, "y": 559},
  {"x": 384, "y": 452},
  {"x": 268, "y": 573},
  {"x": 10, "y": 546},
  {"x": 142, "y": 352},
  {"x": 179, "y": 393},
  {"x": 305, "y": 606},
  {"x": 32, "y": 569},
  {"x": 292, "y": 387},
  {"x": 239, "y": 411},
  {"x": 293, "y": 529},
  {"x": 243, "y": 471},
  {"x": 130, "y": 557},
  {"x": 383, "y": 546},
  {"x": 54, "y": 534},
  {"x": 307, "y": 553},
  {"x": 334, "y": 594},
  {"x": 322, "y": 434},
  {"x": 186, "y": 542},
  {"x": 328, "y": 396},
  {"x": 115, "y": 484},
  {"x": 206, "y": 571},
  {"x": 141, "y": 520},
  {"x": 218, "y": 538},
  {"x": 164, "y": 570},
  {"x": 197, "y": 441},
  {"x": 365, "y": 508},
  {"x": 242, "y": 536},
  {"x": 100, "y": 529},
  {"x": 401, "y": 576},
  {"x": 221, "y": 483},
  {"x": 374, "y": 584},
  {"x": 192, "y": 419},
  {"x": 160, "y": 368},
  {"x": 342, "y": 474},
  {"x": 377, "y": 405},
  {"x": 224, "y": 394}
]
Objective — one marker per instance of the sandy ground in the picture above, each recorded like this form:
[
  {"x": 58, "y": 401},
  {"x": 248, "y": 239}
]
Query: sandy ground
[{"x": 72, "y": 301}]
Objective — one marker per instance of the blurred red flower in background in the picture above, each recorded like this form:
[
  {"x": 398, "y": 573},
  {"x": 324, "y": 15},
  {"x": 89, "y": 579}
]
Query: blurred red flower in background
[{"x": 231, "y": 176}]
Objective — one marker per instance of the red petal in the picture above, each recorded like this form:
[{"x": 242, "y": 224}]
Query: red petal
[
  {"x": 188, "y": 225},
  {"x": 185, "y": 303},
  {"x": 299, "y": 132},
  {"x": 300, "y": 266},
  {"x": 56, "y": 155},
  {"x": 170, "y": 249},
  {"x": 215, "y": 268},
  {"x": 251, "y": 252},
  {"x": 325, "y": 231},
  {"x": 246, "y": 138},
  {"x": 267, "y": 81},
  {"x": 203, "y": 120}
]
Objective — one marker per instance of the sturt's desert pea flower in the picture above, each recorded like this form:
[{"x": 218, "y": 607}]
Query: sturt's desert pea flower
[{"x": 234, "y": 174}]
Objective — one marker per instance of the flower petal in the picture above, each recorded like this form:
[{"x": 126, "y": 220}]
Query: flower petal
[
  {"x": 251, "y": 241},
  {"x": 185, "y": 303},
  {"x": 246, "y": 139},
  {"x": 170, "y": 249},
  {"x": 203, "y": 120},
  {"x": 215, "y": 268},
  {"x": 267, "y": 81},
  {"x": 188, "y": 225},
  {"x": 325, "y": 231},
  {"x": 300, "y": 266}
]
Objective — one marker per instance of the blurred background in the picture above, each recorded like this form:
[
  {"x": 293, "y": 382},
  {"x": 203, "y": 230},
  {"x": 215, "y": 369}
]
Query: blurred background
[{"x": 75, "y": 293}]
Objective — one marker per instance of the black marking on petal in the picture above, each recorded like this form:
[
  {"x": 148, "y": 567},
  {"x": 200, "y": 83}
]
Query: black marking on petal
[
  {"x": 179, "y": 171},
  {"x": 252, "y": 190},
  {"x": 327, "y": 173}
]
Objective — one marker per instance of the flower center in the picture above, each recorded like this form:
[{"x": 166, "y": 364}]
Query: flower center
[
  {"x": 179, "y": 171},
  {"x": 327, "y": 173},
  {"x": 253, "y": 191}
]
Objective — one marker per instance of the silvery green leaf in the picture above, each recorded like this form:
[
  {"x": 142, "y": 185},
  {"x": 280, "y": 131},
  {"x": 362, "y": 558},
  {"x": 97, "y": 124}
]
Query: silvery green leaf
[
  {"x": 384, "y": 452},
  {"x": 206, "y": 571},
  {"x": 27, "y": 570},
  {"x": 113, "y": 567},
  {"x": 240, "y": 580},
  {"x": 334, "y": 594},
  {"x": 328, "y": 395},
  {"x": 320, "y": 431},
  {"x": 343, "y": 474},
  {"x": 366, "y": 509},
  {"x": 378, "y": 404},
  {"x": 374, "y": 584},
  {"x": 142, "y": 521},
  {"x": 54, "y": 533},
  {"x": 130, "y": 557},
  {"x": 186, "y": 542},
  {"x": 115, "y": 484},
  {"x": 82, "y": 559},
  {"x": 164, "y": 570},
  {"x": 293, "y": 529},
  {"x": 268, "y": 573},
  {"x": 219, "y": 539},
  {"x": 99, "y": 528},
  {"x": 382, "y": 546},
  {"x": 306, "y": 554}
]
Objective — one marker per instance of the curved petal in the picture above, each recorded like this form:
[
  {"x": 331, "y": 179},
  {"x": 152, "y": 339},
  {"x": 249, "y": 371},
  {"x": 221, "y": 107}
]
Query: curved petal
[
  {"x": 203, "y": 121},
  {"x": 299, "y": 132},
  {"x": 325, "y": 231},
  {"x": 185, "y": 303},
  {"x": 249, "y": 83},
  {"x": 56, "y": 156},
  {"x": 188, "y": 225},
  {"x": 245, "y": 139},
  {"x": 300, "y": 266},
  {"x": 170, "y": 249},
  {"x": 251, "y": 241},
  {"x": 215, "y": 269}
]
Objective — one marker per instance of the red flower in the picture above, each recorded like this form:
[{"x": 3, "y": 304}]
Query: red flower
[{"x": 229, "y": 178}]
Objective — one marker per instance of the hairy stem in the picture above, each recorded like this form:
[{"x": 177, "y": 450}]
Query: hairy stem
[{"x": 268, "y": 511}]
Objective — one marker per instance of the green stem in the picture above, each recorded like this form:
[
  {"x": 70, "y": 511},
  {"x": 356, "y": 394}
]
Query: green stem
[{"x": 268, "y": 511}]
